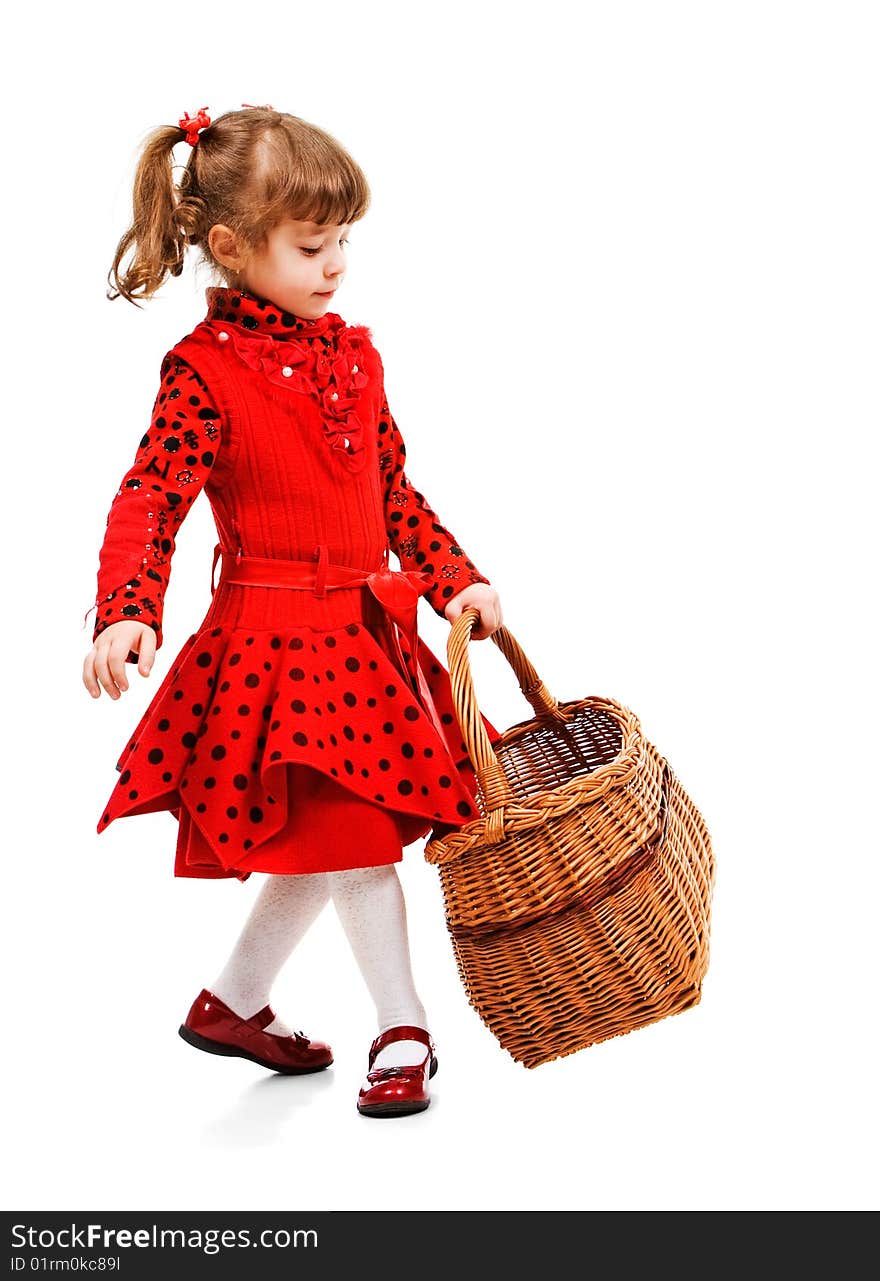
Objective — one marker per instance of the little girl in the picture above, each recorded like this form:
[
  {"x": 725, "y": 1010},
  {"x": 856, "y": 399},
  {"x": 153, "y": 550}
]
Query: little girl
[{"x": 305, "y": 730}]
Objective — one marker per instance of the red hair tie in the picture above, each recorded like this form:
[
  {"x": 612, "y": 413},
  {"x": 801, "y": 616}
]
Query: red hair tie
[{"x": 192, "y": 124}]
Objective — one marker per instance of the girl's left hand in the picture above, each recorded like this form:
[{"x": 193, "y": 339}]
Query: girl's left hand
[{"x": 481, "y": 596}]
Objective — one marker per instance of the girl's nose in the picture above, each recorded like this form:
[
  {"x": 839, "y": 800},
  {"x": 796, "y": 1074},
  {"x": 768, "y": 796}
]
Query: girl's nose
[{"x": 335, "y": 264}]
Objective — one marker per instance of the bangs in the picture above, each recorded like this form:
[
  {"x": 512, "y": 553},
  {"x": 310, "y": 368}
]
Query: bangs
[{"x": 308, "y": 179}]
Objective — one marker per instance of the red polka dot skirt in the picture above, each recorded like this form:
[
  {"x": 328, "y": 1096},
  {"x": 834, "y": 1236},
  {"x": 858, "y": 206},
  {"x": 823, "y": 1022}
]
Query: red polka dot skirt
[{"x": 295, "y": 749}]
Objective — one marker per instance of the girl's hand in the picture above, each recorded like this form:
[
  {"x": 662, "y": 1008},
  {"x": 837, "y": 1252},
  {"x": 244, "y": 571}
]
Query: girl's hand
[
  {"x": 105, "y": 662},
  {"x": 483, "y": 597}
]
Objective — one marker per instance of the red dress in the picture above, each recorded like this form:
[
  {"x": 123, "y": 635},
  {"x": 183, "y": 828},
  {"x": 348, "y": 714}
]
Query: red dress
[{"x": 296, "y": 730}]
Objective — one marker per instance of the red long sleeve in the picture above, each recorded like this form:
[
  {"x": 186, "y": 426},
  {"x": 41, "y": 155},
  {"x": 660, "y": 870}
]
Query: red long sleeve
[
  {"x": 415, "y": 533},
  {"x": 173, "y": 462}
]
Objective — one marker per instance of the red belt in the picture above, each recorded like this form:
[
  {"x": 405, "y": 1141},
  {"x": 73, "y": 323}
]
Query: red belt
[{"x": 397, "y": 591}]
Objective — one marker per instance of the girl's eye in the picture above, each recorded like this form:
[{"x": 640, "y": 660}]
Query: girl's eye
[{"x": 310, "y": 252}]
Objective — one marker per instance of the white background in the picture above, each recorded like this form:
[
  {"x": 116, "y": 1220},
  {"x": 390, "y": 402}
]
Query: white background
[{"x": 622, "y": 267}]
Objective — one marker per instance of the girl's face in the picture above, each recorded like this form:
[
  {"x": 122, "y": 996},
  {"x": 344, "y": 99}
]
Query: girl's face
[{"x": 299, "y": 268}]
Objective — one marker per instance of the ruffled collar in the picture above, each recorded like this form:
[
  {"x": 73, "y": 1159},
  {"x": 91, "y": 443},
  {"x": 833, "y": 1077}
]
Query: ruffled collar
[
  {"x": 260, "y": 316},
  {"x": 334, "y": 369}
]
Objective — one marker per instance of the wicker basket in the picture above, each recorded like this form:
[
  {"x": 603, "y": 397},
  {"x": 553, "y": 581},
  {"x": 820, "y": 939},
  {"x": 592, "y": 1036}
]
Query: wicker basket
[{"x": 578, "y": 904}]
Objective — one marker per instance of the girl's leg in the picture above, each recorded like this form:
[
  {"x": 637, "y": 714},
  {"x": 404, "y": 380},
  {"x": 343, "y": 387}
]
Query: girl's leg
[
  {"x": 370, "y": 905},
  {"x": 283, "y": 911}
]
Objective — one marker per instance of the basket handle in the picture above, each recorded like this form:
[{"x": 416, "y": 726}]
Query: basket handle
[{"x": 490, "y": 776}]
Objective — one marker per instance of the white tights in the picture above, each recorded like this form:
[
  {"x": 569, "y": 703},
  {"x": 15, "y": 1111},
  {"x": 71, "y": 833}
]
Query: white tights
[{"x": 370, "y": 905}]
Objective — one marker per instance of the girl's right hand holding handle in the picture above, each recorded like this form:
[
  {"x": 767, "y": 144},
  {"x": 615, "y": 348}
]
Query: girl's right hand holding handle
[{"x": 105, "y": 662}]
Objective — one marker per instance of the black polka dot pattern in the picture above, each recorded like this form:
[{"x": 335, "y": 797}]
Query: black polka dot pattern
[
  {"x": 212, "y": 744},
  {"x": 172, "y": 464}
]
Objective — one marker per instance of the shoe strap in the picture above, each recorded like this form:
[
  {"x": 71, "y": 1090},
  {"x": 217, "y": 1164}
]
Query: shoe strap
[
  {"x": 376, "y": 1076},
  {"x": 257, "y": 1021},
  {"x": 402, "y": 1033},
  {"x": 263, "y": 1017}
]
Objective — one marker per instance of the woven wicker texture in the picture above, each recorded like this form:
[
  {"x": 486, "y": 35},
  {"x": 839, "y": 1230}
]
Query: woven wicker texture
[{"x": 579, "y": 903}]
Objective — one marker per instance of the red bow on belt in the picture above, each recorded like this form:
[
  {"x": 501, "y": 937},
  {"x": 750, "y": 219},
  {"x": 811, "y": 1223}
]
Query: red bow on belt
[{"x": 397, "y": 591}]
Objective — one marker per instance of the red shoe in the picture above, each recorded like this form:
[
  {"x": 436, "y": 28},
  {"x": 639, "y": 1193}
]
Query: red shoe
[
  {"x": 397, "y": 1091},
  {"x": 212, "y": 1026}
]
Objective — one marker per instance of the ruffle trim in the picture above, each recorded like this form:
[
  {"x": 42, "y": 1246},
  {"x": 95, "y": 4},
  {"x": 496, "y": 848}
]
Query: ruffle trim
[
  {"x": 334, "y": 375},
  {"x": 239, "y": 704}
]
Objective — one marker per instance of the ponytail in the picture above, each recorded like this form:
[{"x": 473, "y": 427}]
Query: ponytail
[{"x": 165, "y": 219}]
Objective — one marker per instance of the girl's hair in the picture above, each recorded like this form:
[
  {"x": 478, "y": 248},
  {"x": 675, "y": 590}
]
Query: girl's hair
[{"x": 250, "y": 170}]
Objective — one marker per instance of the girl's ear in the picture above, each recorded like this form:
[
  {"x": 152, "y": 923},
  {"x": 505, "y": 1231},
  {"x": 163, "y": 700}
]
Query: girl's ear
[{"x": 224, "y": 246}]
